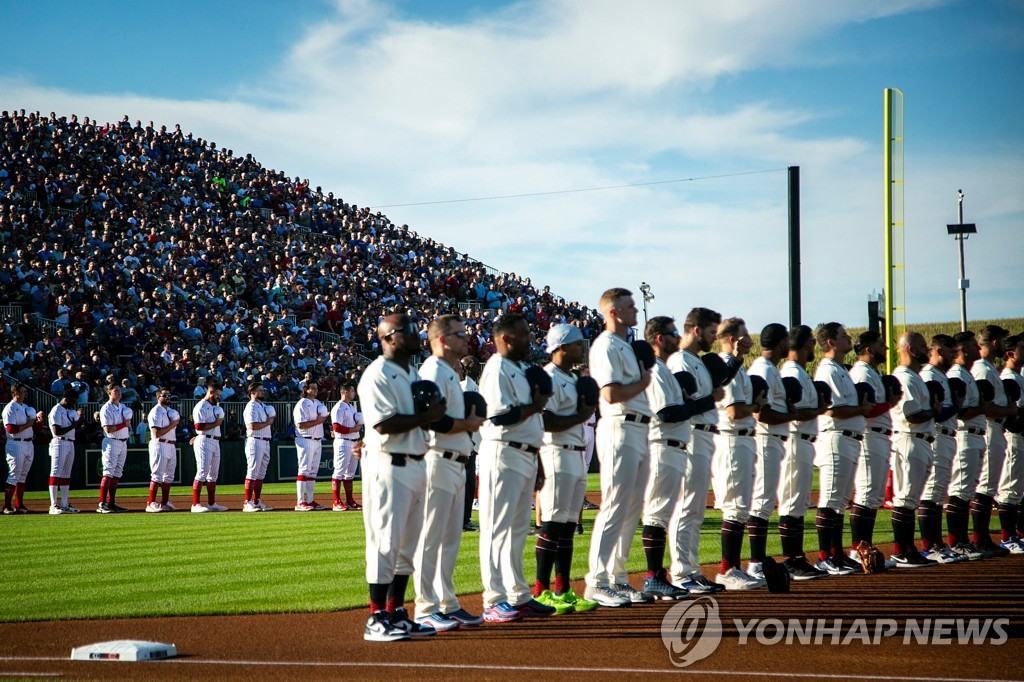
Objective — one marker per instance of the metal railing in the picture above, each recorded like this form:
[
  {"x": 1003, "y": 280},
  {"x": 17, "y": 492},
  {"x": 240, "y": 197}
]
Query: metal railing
[
  {"x": 45, "y": 324},
  {"x": 11, "y": 312}
]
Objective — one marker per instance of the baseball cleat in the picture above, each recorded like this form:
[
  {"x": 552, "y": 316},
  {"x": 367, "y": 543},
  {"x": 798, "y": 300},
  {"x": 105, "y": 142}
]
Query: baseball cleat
[
  {"x": 634, "y": 595},
  {"x": 800, "y": 569},
  {"x": 696, "y": 583},
  {"x": 547, "y": 598},
  {"x": 589, "y": 506},
  {"x": 303, "y": 507},
  {"x": 24, "y": 510},
  {"x": 579, "y": 604},
  {"x": 118, "y": 509},
  {"x": 439, "y": 621},
  {"x": 734, "y": 580},
  {"x": 259, "y": 503},
  {"x": 354, "y": 505},
  {"x": 199, "y": 509},
  {"x": 912, "y": 559},
  {"x": 379, "y": 629},
  {"x": 502, "y": 612},
  {"x": 316, "y": 506},
  {"x": 465, "y": 618},
  {"x": 250, "y": 508},
  {"x": 833, "y": 567},
  {"x": 658, "y": 587},
  {"x": 10, "y": 510},
  {"x": 986, "y": 545},
  {"x": 168, "y": 506},
  {"x": 400, "y": 620},
  {"x": 1014, "y": 545},
  {"x": 68, "y": 509},
  {"x": 535, "y": 609},
  {"x": 214, "y": 507},
  {"x": 154, "y": 508},
  {"x": 102, "y": 508},
  {"x": 606, "y": 596},
  {"x": 755, "y": 570},
  {"x": 339, "y": 507},
  {"x": 56, "y": 511},
  {"x": 939, "y": 557}
]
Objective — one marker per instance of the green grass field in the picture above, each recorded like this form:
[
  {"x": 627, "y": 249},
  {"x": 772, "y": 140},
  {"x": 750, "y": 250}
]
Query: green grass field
[{"x": 136, "y": 565}]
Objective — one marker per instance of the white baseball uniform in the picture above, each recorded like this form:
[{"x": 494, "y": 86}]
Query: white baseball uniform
[
  {"x": 443, "y": 500},
  {"x": 770, "y": 442},
  {"x": 797, "y": 472},
  {"x": 944, "y": 448},
  {"x": 350, "y": 419},
  {"x": 163, "y": 450},
  {"x": 257, "y": 441},
  {"x": 732, "y": 467},
  {"x": 562, "y": 455},
  {"x": 912, "y": 443},
  {"x": 207, "y": 443},
  {"x": 308, "y": 446},
  {"x": 62, "y": 453},
  {"x": 970, "y": 440},
  {"x": 508, "y": 472},
  {"x": 1011, "y": 482},
  {"x": 876, "y": 450},
  {"x": 19, "y": 446},
  {"x": 838, "y": 446},
  {"x": 624, "y": 454},
  {"x": 668, "y": 447},
  {"x": 114, "y": 450},
  {"x": 995, "y": 435}
]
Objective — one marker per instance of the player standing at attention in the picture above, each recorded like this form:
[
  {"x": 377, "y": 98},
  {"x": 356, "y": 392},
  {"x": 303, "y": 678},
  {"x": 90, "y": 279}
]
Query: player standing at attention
[
  {"x": 841, "y": 432},
  {"x": 996, "y": 411},
  {"x": 346, "y": 422},
  {"x": 470, "y": 374},
  {"x": 622, "y": 451},
  {"x": 308, "y": 415},
  {"x": 114, "y": 418},
  {"x": 668, "y": 437},
  {"x": 913, "y": 419},
  {"x": 207, "y": 416},
  {"x": 19, "y": 419},
  {"x": 258, "y": 418},
  {"x": 63, "y": 419},
  {"x": 797, "y": 474},
  {"x": 875, "y": 452},
  {"x": 394, "y": 478},
  {"x": 511, "y": 440},
  {"x": 565, "y": 476},
  {"x": 162, "y": 421},
  {"x": 1011, "y": 483},
  {"x": 701, "y": 327},
  {"x": 448, "y": 448},
  {"x": 773, "y": 421}
]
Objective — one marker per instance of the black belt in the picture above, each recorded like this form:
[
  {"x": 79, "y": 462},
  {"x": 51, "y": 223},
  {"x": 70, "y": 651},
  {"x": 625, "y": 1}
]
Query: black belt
[
  {"x": 923, "y": 436},
  {"x": 639, "y": 418},
  {"x": 398, "y": 459},
  {"x": 576, "y": 448},
  {"x": 811, "y": 437},
  {"x": 308, "y": 438},
  {"x": 458, "y": 457},
  {"x": 122, "y": 440},
  {"x": 22, "y": 440},
  {"x": 973, "y": 431},
  {"x": 739, "y": 432},
  {"x": 850, "y": 434},
  {"x": 879, "y": 429},
  {"x": 533, "y": 450},
  {"x": 66, "y": 440},
  {"x": 780, "y": 436},
  {"x": 676, "y": 444},
  {"x": 260, "y": 438},
  {"x": 213, "y": 437},
  {"x": 710, "y": 428},
  {"x": 164, "y": 440},
  {"x": 947, "y": 432}
]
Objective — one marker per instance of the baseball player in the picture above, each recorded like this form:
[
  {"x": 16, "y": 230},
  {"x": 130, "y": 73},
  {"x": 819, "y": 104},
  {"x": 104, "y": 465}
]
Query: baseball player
[
  {"x": 346, "y": 422},
  {"x": 1011, "y": 483},
  {"x": 970, "y": 443},
  {"x": 797, "y": 472},
  {"x": 308, "y": 415},
  {"x": 19, "y": 420},
  {"x": 449, "y": 445},
  {"x": 208, "y": 417},
  {"x": 929, "y": 510},
  {"x": 668, "y": 437},
  {"x": 565, "y": 475},
  {"x": 62, "y": 419},
  {"x": 394, "y": 478},
  {"x": 258, "y": 418},
  {"x": 470, "y": 374},
  {"x": 996, "y": 411},
  {"x": 163, "y": 450},
  {"x": 622, "y": 450},
  {"x": 772, "y": 433},
  {"x": 913, "y": 420},
  {"x": 700, "y": 330},
  {"x": 837, "y": 450},
  {"x": 873, "y": 464},
  {"x": 114, "y": 418},
  {"x": 732, "y": 467},
  {"x": 510, "y": 442}
]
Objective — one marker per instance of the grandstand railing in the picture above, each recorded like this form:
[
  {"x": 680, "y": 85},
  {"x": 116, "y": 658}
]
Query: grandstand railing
[
  {"x": 466, "y": 306},
  {"x": 37, "y": 398},
  {"x": 47, "y": 325},
  {"x": 11, "y": 312}
]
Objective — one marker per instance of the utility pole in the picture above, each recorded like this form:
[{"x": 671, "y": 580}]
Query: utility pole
[{"x": 961, "y": 231}]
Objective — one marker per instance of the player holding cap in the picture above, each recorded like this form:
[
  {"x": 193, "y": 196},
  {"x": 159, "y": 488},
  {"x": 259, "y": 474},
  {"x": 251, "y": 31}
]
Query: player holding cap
[
  {"x": 394, "y": 478},
  {"x": 208, "y": 417},
  {"x": 308, "y": 415},
  {"x": 565, "y": 476},
  {"x": 511, "y": 440},
  {"x": 449, "y": 445},
  {"x": 346, "y": 422},
  {"x": 258, "y": 417},
  {"x": 114, "y": 418},
  {"x": 622, "y": 450},
  {"x": 163, "y": 451},
  {"x": 700, "y": 330},
  {"x": 62, "y": 419},
  {"x": 1011, "y": 483},
  {"x": 773, "y": 421},
  {"x": 668, "y": 437}
]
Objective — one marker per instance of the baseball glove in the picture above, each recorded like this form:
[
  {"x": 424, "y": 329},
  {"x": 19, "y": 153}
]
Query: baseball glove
[
  {"x": 871, "y": 558},
  {"x": 775, "y": 575}
]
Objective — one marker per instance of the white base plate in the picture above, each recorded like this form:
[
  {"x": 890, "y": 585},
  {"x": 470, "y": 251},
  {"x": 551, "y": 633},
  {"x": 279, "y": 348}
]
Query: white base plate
[{"x": 124, "y": 650}]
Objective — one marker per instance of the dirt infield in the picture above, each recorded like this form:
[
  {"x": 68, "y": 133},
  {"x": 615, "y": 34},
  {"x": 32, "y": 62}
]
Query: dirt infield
[{"x": 608, "y": 643}]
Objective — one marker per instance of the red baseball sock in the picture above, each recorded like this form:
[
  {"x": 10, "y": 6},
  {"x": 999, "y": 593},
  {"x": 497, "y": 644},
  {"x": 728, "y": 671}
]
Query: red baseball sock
[
  {"x": 336, "y": 491},
  {"x": 112, "y": 488},
  {"x": 196, "y": 487},
  {"x": 104, "y": 483},
  {"x": 248, "y": 490},
  {"x": 165, "y": 492},
  {"x": 152, "y": 492},
  {"x": 211, "y": 491},
  {"x": 349, "y": 500},
  {"x": 258, "y": 495},
  {"x": 724, "y": 567}
]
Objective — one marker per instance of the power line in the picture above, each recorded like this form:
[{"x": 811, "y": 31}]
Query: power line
[{"x": 576, "y": 191}]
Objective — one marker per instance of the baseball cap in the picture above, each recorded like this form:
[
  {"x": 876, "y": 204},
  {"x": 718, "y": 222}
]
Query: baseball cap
[{"x": 561, "y": 334}]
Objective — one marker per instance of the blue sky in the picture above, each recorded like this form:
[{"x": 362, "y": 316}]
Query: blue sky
[{"x": 391, "y": 103}]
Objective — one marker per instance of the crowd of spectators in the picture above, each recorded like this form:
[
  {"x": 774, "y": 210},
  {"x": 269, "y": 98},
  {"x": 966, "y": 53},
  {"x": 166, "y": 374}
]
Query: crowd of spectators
[{"x": 149, "y": 257}]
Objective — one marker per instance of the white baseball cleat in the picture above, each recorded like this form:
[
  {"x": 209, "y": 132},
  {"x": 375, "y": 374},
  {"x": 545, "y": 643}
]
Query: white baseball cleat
[
  {"x": 154, "y": 507},
  {"x": 199, "y": 509},
  {"x": 303, "y": 507},
  {"x": 68, "y": 509},
  {"x": 250, "y": 507},
  {"x": 734, "y": 579},
  {"x": 168, "y": 506},
  {"x": 55, "y": 511},
  {"x": 214, "y": 507},
  {"x": 259, "y": 503}
]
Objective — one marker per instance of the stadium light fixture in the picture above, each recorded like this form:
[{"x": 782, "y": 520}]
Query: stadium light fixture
[
  {"x": 645, "y": 290},
  {"x": 961, "y": 231}
]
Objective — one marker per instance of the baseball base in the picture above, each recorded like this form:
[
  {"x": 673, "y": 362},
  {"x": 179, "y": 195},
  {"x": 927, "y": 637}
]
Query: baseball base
[{"x": 124, "y": 650}]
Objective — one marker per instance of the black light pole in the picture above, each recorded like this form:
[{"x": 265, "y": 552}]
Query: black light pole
[
  {"x": 794, "y": 246},
  {"x": 961, "y": 231}
]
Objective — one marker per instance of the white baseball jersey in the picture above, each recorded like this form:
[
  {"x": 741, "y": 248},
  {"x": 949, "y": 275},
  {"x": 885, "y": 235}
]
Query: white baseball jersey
[
  {"x": 255, "y": 411},
  {"x": 1008, "y": 373},
  {"x": 503, "y": 385},
  {"x": 862, "y": 372},
  {"x": 111, "y": 415},
  {"x": 663, "y": 391},
  {"x": 205, "y": 413},
  {"x": 983, "y": 369},
  {"x": 563, "y": 402},
  {"x": 385, "y": 389},
  {"x": 447, "y": 379},
  {"x": 844, "y": 394},
  {"x": 684, "y": 360},
  {"x": 306, "y": 410},
  {"x": 971, "y": 399},
  {"x": 160, "y": 418},
  {"x": 931, "y": 373},
  {"x": 808, "y": 399},
  {"x": 737, "y": 391},
  {"x": 916, "y": 398},
  {"x": 766, "y": 369},
  {"x": 348, "y": 416},
  {"x": 612, "y": 361},
  {"x": 16, "y": 414},
  {"x": 62, "y": 417}
]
